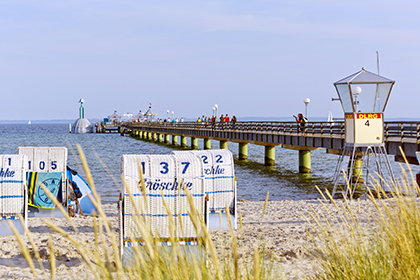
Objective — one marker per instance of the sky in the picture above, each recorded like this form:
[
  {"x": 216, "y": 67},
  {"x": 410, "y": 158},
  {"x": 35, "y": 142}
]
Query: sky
[{"x": 251, "y": 58}]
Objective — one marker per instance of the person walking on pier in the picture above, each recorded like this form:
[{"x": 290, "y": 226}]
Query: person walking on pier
[
  {"x": 301, "y": 120},
  {"x": 222, "y": 120},
  {"x": 233, "y": 121},
  {"x": 198, "y": 122},
  {"x": 227, "y": 120}
]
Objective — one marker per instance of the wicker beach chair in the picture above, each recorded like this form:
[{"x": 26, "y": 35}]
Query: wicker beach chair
[
  {"x": 165, "y": 177},
  {"x": 13, "y": 193},
  {"x": 220, "y": 185},
  {"x": 48, "y": 160}
]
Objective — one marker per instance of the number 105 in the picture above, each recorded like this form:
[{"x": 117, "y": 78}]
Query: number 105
[{"x": 42, "y": 165}]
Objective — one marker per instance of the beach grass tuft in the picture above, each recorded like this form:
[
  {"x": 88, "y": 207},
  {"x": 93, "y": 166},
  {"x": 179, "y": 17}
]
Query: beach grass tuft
[{"x": 383, "y": 244}]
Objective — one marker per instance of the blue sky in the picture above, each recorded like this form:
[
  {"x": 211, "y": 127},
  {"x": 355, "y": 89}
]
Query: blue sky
[{"x": 252, "y": 58}]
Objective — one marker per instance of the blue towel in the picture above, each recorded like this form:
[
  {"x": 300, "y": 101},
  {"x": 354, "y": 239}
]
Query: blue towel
[{"x": 37, "y": 196}]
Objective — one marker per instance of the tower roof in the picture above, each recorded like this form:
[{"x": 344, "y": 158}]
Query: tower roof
[{"x": 364, "y": 77}]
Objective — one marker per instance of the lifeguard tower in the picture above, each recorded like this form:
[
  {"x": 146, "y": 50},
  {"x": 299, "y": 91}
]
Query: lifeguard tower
[{"x": 363, "y": 96}]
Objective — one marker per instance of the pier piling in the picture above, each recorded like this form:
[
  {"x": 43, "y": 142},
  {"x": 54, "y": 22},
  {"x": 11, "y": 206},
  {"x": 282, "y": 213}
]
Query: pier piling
[
  {"x": 207, "y": 144},
  {"x": 357, "y": 169},
  {"x": 304, "y": 161},
  {"x": 270, "y": 155},
  {"x": 183, "y": 141},
  {"x": 243, "y": 151},
  {"x": 174, "y": 140},
  {"x": 194, "y": 143}
]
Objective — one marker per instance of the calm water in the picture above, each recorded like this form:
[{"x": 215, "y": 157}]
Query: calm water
[{"x": 254, "y": 180}]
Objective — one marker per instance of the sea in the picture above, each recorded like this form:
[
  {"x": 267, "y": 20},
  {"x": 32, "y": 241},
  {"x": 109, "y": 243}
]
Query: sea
[{"x": 254, "y": 180}]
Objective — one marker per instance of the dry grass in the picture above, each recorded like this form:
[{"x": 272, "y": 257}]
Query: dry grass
[
  {"x": 150, "y": 260},
  {"x": 349, "y": 244},
  {"x": 384, "y": 244}
]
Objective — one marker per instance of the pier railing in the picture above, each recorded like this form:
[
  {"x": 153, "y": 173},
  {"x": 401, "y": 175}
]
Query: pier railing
[
  {"x": 279, "y": 127},
  {"x": 392, "y": 129}
]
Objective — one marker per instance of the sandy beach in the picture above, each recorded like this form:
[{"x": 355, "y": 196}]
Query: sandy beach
[{"x": 283, "y": 230}]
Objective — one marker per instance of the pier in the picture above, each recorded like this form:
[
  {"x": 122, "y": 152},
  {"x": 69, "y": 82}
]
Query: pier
[
  {"x": 103, "y": 127},
  {"x": 315, "y": 135}
]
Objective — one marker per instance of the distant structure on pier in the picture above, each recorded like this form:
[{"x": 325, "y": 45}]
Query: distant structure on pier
[
  {"x": 149, "y": 116},
  {"x": 82, "y": 125}
]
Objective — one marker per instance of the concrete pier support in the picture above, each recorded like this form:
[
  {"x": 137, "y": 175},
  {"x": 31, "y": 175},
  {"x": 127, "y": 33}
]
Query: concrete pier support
[
  {"x": 223, "y": 144},
  {"x": 183, "y": 141},
  {"x": 194, "y": 143},
  {"x": 160, "y": 137},
  {"x": 270, "y": 155},
  {"x": 154, "y": 136},
  {"x": 149, "y": 136},
  {"x": 141, "y": 134},
  {"x": 304, "y": 161},
  {"x": 357, "y": 169},
  {"x": 207, "y": 144},
  {"x": 167, "y": 137},
  {"x": 243, "y": 151},
  {"x": 174, "y": 140}
]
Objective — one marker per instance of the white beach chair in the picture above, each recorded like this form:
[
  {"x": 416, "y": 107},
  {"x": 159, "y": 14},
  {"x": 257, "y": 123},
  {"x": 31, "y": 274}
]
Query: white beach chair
[
  {"x": 162, "y": 174},
  {"x": 220, "y": 185},
  {"x": 47, "y": 159},
  {"x": 13, "y": 193}
]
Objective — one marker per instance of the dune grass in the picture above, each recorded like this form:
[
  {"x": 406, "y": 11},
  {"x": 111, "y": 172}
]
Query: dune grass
[
  {"x": 348, "y": 244},
  {"x": 384, "y": 244},
  {"x": 150, "y": 260}
]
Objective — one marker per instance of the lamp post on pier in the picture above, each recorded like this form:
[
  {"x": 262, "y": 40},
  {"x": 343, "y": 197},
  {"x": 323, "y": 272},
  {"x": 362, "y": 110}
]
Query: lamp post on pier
[
  {"x": 216, "y": 107},
  {"x": 172, "y": 114},
  {"x": 306, "y": 101},
  {"x": 167, "y": 114}
]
